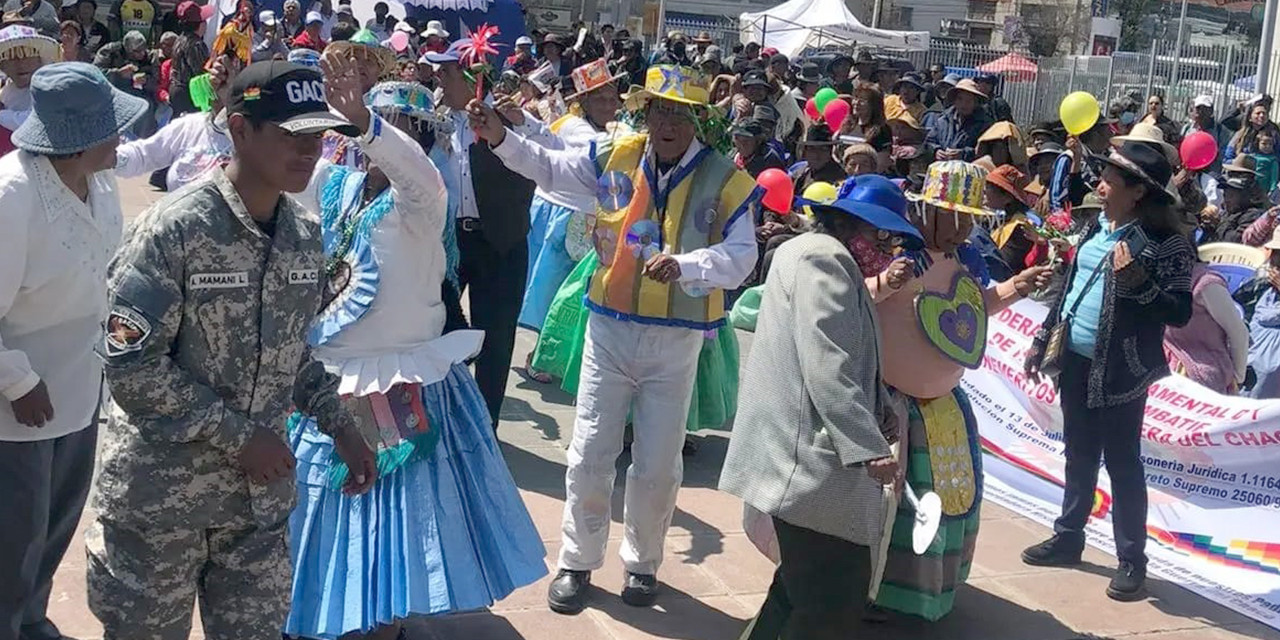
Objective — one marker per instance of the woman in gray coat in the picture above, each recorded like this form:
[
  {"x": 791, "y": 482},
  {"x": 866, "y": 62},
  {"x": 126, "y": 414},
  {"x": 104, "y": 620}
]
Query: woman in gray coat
[{"x": 811, "y": 442}]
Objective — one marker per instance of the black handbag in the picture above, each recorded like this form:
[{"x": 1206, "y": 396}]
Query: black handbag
[{"x": 1056, "y": 346}]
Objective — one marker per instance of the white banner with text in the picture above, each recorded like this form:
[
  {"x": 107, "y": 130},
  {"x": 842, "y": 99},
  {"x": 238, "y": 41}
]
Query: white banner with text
[{"x": 1212, "y": 465}]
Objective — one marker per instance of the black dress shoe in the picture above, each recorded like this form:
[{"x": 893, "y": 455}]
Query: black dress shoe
[
  {"x": 640, "y": 590},
  {"x": 1058, "y": 551},
  {"x": 568, "y": 592},
  {"x": 1129, "y": 583},
  {"x": 874, "y": 614}
]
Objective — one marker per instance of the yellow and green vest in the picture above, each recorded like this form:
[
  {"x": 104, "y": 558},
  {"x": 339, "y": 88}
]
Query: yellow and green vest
[{"x": 703, "y": 198}]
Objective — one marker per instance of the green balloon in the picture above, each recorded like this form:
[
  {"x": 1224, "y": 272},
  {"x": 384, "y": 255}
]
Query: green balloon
[{"x": 823, "y": 96}]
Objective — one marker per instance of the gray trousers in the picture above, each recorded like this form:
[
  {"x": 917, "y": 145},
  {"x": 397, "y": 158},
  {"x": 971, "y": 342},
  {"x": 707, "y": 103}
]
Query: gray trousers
[{"x": 43, "y": 485}]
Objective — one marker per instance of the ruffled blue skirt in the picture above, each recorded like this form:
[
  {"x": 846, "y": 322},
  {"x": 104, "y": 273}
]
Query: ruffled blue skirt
[
  {"x": 447, "y": 533},
  {"x": 549, "y": 262}
]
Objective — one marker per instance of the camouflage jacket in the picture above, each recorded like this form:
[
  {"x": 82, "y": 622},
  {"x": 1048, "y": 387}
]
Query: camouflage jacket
[{"x": 206, "y": 341}]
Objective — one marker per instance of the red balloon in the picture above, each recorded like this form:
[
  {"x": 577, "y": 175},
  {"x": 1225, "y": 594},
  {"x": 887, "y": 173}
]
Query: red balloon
[
  {"x": 811, "y": 109},
  {"x": 1198, "y": 150},
  {"x": 779, "y": 192},
  {"x": 835, "y": 114}
]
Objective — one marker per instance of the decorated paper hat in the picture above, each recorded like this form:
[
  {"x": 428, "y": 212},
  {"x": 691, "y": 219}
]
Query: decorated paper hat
[
  {"x": 22, "y": 41},
  {"x": 669, "y": 82},
  {"x": 397, "y": 97},
  {"x": 954, "y": 185},
  {"x": 592, "y": 76}
]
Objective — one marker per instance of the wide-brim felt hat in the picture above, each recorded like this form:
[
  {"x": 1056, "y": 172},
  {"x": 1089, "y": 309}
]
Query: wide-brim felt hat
[
  {"x": 668, "y": 82},
  {"x": 968, "y": 86},
  {"x": 1148, "y": 164},
  {"x": 912, "y": 79},
  {"x": 1012, "y": 181},
  {"x": 818, "y": 135},
  {"x": 876, "y": 200},
  {"x": 809, "y": 73},
  {"x": 1243, "y": 163},
  {"x": 74, "y": 108},
  {"x": 954, "y": 185}
]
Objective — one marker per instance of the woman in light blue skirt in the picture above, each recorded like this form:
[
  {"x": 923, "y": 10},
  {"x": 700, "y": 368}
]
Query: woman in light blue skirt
[
  {"x": 444, "y": 528},
  {"x": 560, "y": 224}
]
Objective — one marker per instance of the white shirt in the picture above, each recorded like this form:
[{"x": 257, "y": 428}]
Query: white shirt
[
  {"x": 719, "y": 266},
  {"x": 399, "y": 338},
  {"x": 54, "y": 251},
  {"x": 189, "y": 146}
]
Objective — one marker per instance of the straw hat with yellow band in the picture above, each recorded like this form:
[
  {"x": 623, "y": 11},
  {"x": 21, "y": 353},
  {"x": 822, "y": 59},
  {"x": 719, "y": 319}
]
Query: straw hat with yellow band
[
  {"x": 954, "y": 185},
  {"x": 668, "y": 82}
]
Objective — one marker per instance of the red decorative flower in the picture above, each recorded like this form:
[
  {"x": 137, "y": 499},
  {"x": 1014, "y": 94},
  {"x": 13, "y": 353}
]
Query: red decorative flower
[{"x": 479, "y": 46}]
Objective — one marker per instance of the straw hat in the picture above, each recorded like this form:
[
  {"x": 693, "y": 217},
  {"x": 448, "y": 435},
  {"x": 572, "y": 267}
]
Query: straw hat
[
  {"x": 367, "y": 41},
  {"x": 1150, "y": 134},
  {"x": 22, "y": 41}
]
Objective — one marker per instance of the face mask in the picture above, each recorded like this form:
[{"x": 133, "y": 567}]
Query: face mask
[{"x": 871, "y": 260}]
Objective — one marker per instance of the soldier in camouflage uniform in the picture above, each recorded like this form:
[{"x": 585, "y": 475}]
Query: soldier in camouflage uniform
[{"x": 211, "y": 297}]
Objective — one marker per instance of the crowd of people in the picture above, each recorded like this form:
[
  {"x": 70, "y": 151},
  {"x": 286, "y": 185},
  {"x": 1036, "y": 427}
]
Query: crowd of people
[{"x": 301, "y": 419}]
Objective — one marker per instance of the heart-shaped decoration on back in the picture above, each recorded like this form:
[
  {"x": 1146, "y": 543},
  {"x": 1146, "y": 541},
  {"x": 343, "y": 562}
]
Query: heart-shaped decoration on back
[{"x": 955, "y": 322}]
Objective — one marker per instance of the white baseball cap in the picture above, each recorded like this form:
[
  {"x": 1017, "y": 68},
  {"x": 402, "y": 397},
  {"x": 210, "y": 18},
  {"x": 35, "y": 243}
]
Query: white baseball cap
[
  {"x": 267, "y": 17},
  {"x": 1202, "y": 101},
  {"x": 314, "y": 17},
  {"x": 524, "y": 41}
]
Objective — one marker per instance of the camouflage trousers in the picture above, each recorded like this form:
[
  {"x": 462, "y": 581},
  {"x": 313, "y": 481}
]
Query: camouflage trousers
[{"x": 143, "y": 581}]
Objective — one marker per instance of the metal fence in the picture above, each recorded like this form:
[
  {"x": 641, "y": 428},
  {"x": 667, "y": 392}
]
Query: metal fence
[{"x": 1225, "y": 73}]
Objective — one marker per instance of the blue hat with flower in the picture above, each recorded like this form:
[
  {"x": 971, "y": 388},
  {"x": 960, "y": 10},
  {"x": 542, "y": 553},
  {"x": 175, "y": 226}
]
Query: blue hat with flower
[
  {"x": 74, "y": 108},
  {"x": 876, "y": 200}
]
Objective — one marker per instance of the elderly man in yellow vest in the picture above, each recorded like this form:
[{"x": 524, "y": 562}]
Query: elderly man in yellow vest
[{"x": 674, "y": 229}]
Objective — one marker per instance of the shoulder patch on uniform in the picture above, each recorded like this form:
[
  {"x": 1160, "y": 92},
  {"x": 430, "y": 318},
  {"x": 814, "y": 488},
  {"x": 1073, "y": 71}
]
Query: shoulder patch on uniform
[{"x": 127, "y": 331}]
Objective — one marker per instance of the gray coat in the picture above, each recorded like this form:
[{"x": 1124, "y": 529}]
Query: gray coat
[{"x": 812, "y": 404}]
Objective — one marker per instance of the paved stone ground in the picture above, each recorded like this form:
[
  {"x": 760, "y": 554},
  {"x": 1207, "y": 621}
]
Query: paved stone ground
[{"x": 715, "y": 579}]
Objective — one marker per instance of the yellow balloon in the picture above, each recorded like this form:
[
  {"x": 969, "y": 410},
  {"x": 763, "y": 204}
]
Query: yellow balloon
[
  {"x": 821, "y": 192},
  {"x": 1079, "y": 112}
]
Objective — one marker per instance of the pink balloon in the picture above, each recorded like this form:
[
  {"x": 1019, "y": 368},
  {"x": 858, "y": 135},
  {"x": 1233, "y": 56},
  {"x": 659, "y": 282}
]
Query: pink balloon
[
  {"x": 779, "y": 191},
  {"x": 835, "y": 114},
  {"x": 1198, "y": 150},
  {"x": 811, "y": 109},
  {"x": 399, "y": 40}
]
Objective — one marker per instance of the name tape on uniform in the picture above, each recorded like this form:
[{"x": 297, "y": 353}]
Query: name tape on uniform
[
  {"x": 304, "y": 276},
  {"x": 232, "y": 280}
]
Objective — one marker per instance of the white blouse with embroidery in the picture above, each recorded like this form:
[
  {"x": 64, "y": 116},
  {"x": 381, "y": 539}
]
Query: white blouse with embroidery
[
  {"x": 398, "y": 339},
  {"x": 54, "y": 251}
]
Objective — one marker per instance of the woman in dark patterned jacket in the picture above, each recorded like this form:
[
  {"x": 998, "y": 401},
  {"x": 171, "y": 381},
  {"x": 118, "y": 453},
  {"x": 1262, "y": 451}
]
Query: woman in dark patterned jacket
[{"x": 1130, "y": 279}]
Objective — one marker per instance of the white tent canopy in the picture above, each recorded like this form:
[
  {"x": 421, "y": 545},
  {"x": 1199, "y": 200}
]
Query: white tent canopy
[{"x": 793, "y": 26}]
